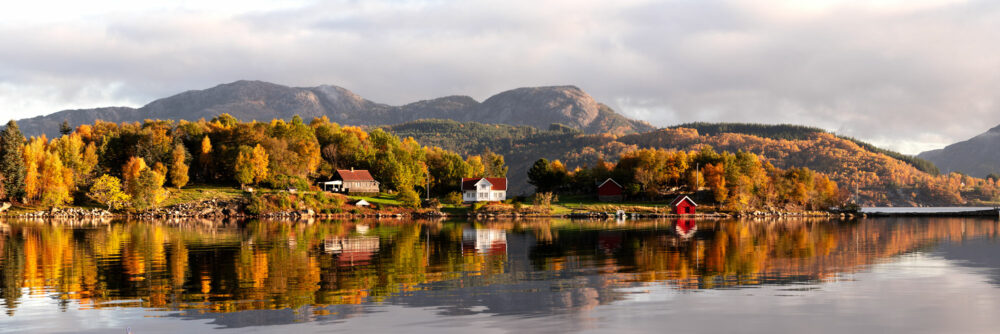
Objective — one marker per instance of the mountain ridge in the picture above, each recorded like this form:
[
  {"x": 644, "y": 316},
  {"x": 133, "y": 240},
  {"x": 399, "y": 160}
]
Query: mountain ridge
[
  {"x": 976, "y": 156},
  {"x": 259, "y": 100}
]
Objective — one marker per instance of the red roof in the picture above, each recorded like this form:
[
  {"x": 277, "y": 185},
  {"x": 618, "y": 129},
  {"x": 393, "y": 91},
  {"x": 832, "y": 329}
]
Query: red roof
[
  {"x": 355, "y": 175},
  {"x": 677, "y": 201},
  {"x": 499, "y": 183}
]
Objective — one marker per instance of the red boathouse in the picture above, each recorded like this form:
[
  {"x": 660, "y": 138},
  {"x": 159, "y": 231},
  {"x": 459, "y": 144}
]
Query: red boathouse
[
  {"x": 683, "y": 205},
  {"x": 609, "y": 191}
]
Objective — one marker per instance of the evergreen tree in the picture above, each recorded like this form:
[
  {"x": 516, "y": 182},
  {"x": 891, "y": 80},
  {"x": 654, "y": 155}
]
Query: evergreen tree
[
  {"x": 11, "y": 163},
  {"x": 64, "y": 128}
]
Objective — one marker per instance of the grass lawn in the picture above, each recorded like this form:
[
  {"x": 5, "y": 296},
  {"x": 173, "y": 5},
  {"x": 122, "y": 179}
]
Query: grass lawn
[
  {"x": 381, "y": 199},
  {"x": 200, "y": 192}
]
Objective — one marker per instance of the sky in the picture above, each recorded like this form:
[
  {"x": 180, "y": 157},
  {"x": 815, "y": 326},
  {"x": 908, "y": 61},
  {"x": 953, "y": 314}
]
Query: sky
[{"x": 909, "y": 75}]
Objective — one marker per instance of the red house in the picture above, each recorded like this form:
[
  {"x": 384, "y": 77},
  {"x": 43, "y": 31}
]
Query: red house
[
  {"x": 683, "y": 205},
  {"x": 609, "y": 191}
]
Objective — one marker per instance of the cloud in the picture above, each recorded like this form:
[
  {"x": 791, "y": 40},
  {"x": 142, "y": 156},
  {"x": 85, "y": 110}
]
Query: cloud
[{"x": 909, "y": 75}]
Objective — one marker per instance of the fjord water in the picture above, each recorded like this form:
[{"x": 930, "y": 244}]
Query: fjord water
[{"x": 913, "y": 275}]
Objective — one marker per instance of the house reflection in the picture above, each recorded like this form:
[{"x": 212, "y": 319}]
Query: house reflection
[
  {"x": 685, "y": 228},
  {"x": 484, "y": 241}
]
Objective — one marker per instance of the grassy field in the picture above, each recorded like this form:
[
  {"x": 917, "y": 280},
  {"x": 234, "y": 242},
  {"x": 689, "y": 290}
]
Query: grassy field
[{"x": 200, "y": 192}]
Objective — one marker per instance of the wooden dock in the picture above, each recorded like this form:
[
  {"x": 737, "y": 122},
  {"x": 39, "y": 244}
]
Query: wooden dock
[{"x": 986, "y": 213}]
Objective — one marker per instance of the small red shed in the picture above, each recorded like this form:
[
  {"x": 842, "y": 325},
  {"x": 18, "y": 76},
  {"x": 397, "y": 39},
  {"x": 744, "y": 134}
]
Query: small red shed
[
  {"x": 609, "y": 191},
  {"x": 683, "y": 205}
]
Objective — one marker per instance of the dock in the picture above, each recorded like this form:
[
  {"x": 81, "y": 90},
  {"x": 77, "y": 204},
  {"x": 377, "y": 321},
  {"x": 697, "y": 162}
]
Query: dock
[{"x": 932, "y": 212}]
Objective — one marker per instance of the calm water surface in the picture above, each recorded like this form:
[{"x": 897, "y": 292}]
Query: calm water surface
[{"x": 869, "y": 276}]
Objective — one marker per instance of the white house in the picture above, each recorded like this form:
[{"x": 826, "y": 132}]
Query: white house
[{"x": 484, "y": 189}]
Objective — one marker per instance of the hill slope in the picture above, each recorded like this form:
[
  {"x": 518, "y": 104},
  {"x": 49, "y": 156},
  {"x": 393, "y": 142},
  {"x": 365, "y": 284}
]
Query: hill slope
[
  {"x": 880, "y": 179},
  {"x": 257, "y": 100},
  {"x": 977, "y": 156}
]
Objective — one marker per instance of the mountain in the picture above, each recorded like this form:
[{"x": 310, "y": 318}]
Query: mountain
[
  {"x": 877, "y": 176},
  {"x": 978, "y": 156},
  {"x": 256, "y": 100}
]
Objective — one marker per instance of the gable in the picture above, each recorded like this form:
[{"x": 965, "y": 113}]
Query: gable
[
  {"x": 611, "y": 183},
  {"x": 681, "y": 200},
  {"x": 497, "y": 183}
]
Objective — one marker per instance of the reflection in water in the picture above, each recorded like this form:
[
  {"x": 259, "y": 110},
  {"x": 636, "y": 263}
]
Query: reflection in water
[{"x": 333, "y": 270}]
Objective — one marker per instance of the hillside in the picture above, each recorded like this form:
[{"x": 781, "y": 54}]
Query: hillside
[
  {"x": 256, "y": 100},
  {"x": 880, "y": 179},
  {"x": 976, "y": 156}
]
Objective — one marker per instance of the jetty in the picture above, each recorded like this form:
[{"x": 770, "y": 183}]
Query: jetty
[{"x": 993, "y": 212}]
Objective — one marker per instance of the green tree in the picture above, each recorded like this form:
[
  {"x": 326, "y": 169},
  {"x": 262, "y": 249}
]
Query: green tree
[
  {"x": 150, "y": 190},
  {"x": 540, "y": 175},
  {"x": 107, "y": 190},
  {"x": 11, "y": 160}
]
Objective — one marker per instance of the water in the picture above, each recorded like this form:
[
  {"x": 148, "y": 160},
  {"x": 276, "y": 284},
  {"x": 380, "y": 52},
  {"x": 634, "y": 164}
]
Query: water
[{"x": 912, "y": 275}]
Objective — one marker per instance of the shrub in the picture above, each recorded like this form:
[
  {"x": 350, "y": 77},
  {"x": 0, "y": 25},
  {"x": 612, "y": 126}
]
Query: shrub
[
  {"x": 478, "y": 205},
  {"x": 257, "y": 205},
  {"x": 432, "y": 203},
  {"x": 409, "y": 198},
  {"x": 286, "y": 181},
  {"x": 453, "y": 198}
]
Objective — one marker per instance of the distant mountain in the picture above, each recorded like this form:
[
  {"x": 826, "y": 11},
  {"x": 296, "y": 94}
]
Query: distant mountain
[
  {"x": 256, "y": 100},
  {"x": 978, "y": 156}
]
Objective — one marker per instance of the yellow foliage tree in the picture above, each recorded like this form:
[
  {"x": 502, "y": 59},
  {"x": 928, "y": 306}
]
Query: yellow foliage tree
[
  {"x": 53, "y": 181},
  {"x": 179, "y": 169},
  {"x": 259, "y": 162},
  {"x": 107, "y": 190}
]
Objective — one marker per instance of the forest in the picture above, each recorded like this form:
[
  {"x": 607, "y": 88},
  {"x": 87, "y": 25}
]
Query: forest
[
  {"x": 739, "y": 182},
  {"x": 135, "y": 165},
  {"x": 872, "y": 176}
]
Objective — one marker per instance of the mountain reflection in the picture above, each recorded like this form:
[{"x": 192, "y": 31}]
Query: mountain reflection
[{"x": 234, "y": 272}]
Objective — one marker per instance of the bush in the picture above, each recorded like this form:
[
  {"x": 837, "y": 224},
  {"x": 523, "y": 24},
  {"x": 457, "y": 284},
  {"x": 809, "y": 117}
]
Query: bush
[
  {"x": 478, "y": 205},
  {"x": 432, "y": 203},
  {"x": 287, "y": 181},
  {"x": 409, "y": 198},
  {"x": 356, "y": 211},
  {"x": 256, "y": 206},
  {"x": 453, "y": 198}
]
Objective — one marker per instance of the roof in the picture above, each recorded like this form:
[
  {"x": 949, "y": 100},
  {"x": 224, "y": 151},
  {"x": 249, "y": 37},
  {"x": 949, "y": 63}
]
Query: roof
[
  {"x": 355, "y": 175},
  {"x": 499, "y": 183},
  {"x": 606, "y": 181},
  {"x": 680, "y": 199}
]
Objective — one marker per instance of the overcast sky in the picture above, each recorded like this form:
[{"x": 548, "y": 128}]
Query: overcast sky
[{"x": 910, "y": 75}]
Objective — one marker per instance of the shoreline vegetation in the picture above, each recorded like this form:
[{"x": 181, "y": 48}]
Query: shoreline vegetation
[{"x": 230, "y": 168}]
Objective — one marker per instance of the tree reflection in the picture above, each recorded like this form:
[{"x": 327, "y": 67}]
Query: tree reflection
[{"x": 257, "y": 265}]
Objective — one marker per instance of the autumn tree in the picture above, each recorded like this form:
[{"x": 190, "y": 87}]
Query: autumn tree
[
  {"x": 107, "y": 190},
  {"x": 243, "y": 168},
  {"x": 53, "y": 181},
  {"x": 205, "y": 156},
  {"x": 494, "y": 164},
  {"x": 179, "y": 167},
  {"x": 259, "y": 163},
  {"x": 12, "y": 160},
  {"x": 715, "y": 179},
  {"x": 33, "y": 157},
  {"x": 143, "y": 184}
]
